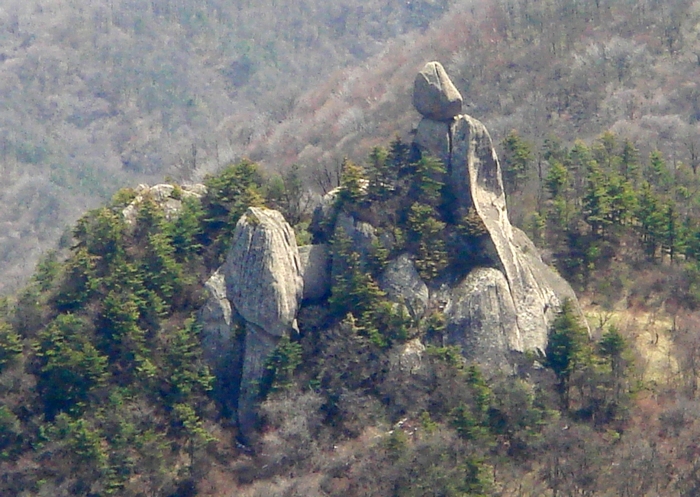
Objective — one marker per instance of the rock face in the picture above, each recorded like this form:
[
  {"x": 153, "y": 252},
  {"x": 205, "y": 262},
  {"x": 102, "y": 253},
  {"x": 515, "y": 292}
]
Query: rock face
[
  {"x": 491, "y": 312},
  {"x": 263, "y": 271},
  {"x": 315, "y": 266},
  {"x": 168, "y": 197},
  {"x": 481, "y": 318},
  {"x": 403, "y": 285},
  {"x": 216, "y": 320},
  {"x": 474, "y": 174},
  {"x": 261, "y": 282},
  {"x": 434, "y": 95}
]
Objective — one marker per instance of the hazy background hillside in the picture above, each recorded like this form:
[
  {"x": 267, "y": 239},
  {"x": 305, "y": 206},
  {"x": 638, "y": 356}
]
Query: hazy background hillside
[{"x": 102, "y": 94}]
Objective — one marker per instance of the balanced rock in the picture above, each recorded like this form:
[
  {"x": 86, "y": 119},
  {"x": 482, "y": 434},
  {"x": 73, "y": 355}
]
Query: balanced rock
[
  {"x": 474, "y": 175},
  {"x": 263, "y": 271},
  {"x": 434, "y": 94}
]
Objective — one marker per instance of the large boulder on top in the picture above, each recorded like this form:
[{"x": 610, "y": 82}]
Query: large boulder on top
[
  {"x": 474, "y": 175},
  {"x": 263, "y": 271},
  {"x": 434, "y": 95}
]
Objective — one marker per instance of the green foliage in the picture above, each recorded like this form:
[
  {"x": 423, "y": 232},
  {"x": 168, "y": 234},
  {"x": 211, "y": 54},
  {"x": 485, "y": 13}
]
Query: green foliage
[
  {"x": 186, "y": 230},
  {"x": 47, "y": 271},
  {"x": 288, "y": 194},
  {"x": 10, "y": 434},
  {"x": 426, "y": 233},
  {"x": 353, "y": 185},
  {"x": 185, "y": 372},
  {"x": 516, "y": 162},
  {"x": 10, "y": 346},
  {"x": 78, "y": 282},
  {"x": 352, "y": 287},
  {"x": 229, "y": 194},
  {"x": 568, "y": 348},
  {"x": 280, "y": 367},
  {"x": 70, "y": 367}
]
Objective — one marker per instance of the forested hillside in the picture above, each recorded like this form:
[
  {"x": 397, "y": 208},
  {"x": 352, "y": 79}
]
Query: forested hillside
[
  {"x": 101, "y": 95},
  {"x": 104, "y": 389}
]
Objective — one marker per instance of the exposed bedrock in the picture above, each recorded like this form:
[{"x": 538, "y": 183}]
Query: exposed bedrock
[{"x": 474, "y": 175}]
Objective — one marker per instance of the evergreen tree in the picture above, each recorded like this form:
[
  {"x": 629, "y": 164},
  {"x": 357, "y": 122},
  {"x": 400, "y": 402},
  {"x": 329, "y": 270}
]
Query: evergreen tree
[
  {"x": 649, "y": 215},
  {"x": 10, "y": 346},
  {"x": 629, "y": 162},
  {"x": 516, "y": 161},
  {"x": 597, "y": 208},
  {"x": 568, "y": 349},
  {"x": 70, "y": 367}
]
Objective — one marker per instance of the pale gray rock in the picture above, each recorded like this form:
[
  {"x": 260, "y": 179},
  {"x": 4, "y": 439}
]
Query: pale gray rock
[
  {"x": 263, "y": 271},
  {"x": 474, "y": 174},
  {"x": 555, "y": 289},
  {"x": 476, "y": 179},
  {"x": 216, "y": 321},
  {"x": 481, "y": 319},
  {"x": 323, "y": 218},
  {"x": 434, "y": 94},
  {"x": 316, "y": 270},
  {"x": 167, "y": 197},
  {"x": 222, "y": 340},
  {"x": 265, "y": 286},
  {"x": 403, "y": 285}
]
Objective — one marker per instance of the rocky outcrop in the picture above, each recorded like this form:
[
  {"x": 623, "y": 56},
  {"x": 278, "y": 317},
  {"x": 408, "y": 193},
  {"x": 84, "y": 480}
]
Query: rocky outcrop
[
  {"x": 216, "y": 321},
  {"x": 315, "y": 267},
  {"x": 167, "y": 197},
  {"x": 434, "y": 95},
  {"x": 261, "y": 283},
  {"x": 362, "y": 235},
  {"x": 403, "y": 285},
  {"x": 263, "y": 271},
  {"x": 481, "y": 318},
  {"x": 474, "y": 174},
  {"x": 407, "y": 357},
  {"x": 555, "y": 289}
]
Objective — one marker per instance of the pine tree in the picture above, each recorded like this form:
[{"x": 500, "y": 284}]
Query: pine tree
[
  {"x": 629, "y": 162},
  {"x": 568, "y": 349},
  {"x": 649, "y": 215},
  {"x": 516, "y": 162},
  {"x": 597, "y": 208}
]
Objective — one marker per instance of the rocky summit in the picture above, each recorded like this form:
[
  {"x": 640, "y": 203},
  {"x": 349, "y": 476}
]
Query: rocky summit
[
  {"x": 492, "y": 312},
  {"x": 474, "y": 173}
]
